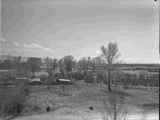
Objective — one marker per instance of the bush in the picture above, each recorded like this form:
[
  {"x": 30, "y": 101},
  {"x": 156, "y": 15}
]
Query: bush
[
  {"x": 89, "y": 78},
  {"x": 77, "y": 76},
  {"x": 43, "y": 78},
  {"x": 100, "y": 77},
  {"x": 12, "y": 106},
  {"x": 7, "y": 79},
  {"x": 12, "y": 100}
]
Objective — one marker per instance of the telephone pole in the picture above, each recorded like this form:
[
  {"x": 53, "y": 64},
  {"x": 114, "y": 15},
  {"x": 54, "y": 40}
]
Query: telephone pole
[{"x": 2, "y": 39}]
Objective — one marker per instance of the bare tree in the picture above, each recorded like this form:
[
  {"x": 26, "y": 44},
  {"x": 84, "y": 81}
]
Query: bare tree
[
  {"x": 34, "y": 64},
  {"x": 67, "y": 64},
  {"x": 114, "y": 107},
  {"x": 110, "y": 54}
]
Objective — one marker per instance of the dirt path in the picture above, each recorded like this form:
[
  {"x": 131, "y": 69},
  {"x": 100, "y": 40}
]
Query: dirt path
[{"x": 89, "y": 116}]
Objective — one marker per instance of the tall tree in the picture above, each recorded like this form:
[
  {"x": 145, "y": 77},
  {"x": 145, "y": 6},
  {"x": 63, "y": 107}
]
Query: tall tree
[
  {"x": 110, "y": 54},
  {"x": 85, "y": 64},
  {"x": 67, "y": 64},
  {"x": 55, "y": 64},
  {"x": 48, "y": 64},
  {"x": 34, "y": 64},
  {"x": 51, "y": 65},
  {"x": 82, "y": 64}
]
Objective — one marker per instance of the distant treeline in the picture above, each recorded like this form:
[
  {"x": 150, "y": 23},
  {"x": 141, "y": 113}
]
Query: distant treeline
[{"x": 82, "y": 69}]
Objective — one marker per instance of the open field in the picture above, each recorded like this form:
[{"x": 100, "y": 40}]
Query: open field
[
  {"x": 74, "y": 102},
  {"x": 79, "y": 60}
]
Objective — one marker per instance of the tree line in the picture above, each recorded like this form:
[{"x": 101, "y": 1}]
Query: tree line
[{"x": 70, "y": 68}]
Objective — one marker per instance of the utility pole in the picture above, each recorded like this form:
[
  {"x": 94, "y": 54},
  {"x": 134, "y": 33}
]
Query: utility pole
[
  {"x": 0, "y": 18},
  {"x": 2, "y": 40}
]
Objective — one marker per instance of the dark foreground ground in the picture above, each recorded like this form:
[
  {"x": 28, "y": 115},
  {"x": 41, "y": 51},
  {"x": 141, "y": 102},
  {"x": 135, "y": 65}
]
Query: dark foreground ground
[{"x": 83, "y": 101}]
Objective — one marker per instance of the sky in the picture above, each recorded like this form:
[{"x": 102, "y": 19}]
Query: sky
[{"x": 57, "y": 28}]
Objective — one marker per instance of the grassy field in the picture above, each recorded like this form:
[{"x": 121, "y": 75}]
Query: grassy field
[{"x": 76, "y": 101}]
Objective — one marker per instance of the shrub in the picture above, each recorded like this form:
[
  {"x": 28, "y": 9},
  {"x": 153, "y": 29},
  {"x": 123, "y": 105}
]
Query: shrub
[
  {"x": 12, "y": 100},
  {"x": 43, "y": 78},
  {"x": 100, "y": 77},
  {"x": 77, "y": 76},
  {"x": 89, "y": 78},
  {"x": 114, "y": 107},
  {"x": 12, "y": 106}
]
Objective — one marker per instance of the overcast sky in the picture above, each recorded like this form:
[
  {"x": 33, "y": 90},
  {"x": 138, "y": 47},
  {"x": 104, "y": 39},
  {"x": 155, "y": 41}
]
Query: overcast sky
[{"x": 80, "y": 27}]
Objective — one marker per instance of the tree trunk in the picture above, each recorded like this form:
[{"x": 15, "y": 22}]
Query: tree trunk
[
  {"x": 63, "y": 89},
  {"x": 115, "y": 112},
  {"x": 109, "y": 81}
]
